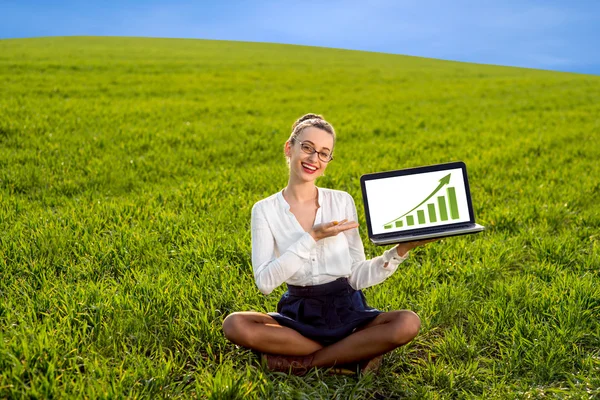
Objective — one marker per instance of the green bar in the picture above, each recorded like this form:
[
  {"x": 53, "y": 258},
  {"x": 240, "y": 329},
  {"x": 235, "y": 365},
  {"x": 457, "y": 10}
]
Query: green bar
[
  {"x": 398, "y": 224},
  {"x": 421, "y": 216},
  {"x": 410, "y": 220},
  {"x": 388, "y": 226},
  {"x": 442, "y": 207},
  {"x": 453, "y": 203},
  {"x": 431, "y": 208}
]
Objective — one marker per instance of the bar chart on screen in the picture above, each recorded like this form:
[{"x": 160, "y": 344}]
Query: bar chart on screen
[
  {"x": 439, "y": 206},
  {"x": 415, "y": 201}
]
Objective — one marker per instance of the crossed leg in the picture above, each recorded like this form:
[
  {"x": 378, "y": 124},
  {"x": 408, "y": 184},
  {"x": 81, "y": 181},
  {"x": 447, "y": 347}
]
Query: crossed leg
[
  {"x": 261, "y": 332},
  {"x": 384, "y": 333}
]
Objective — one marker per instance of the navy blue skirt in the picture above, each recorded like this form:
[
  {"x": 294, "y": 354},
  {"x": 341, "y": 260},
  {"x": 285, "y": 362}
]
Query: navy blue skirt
[{"x": 324, "y": 313}]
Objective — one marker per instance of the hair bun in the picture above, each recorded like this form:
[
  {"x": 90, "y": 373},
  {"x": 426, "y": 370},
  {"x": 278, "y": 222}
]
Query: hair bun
[{"x": 305, "y": 117}]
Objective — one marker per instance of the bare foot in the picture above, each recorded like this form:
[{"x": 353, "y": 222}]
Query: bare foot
[{"x": 371, "y": 366}]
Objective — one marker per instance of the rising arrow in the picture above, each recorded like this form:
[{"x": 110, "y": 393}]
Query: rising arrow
[{"x": 445, "y": 180}]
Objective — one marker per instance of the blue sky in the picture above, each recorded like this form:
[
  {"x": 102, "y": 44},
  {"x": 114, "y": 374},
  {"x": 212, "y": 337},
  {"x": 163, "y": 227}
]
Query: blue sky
[{"x": 555, "y": 35}]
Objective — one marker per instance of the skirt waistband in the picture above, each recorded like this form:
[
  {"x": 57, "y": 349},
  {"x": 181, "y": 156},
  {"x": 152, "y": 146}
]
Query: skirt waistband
[{"x": 337, "y": 287}]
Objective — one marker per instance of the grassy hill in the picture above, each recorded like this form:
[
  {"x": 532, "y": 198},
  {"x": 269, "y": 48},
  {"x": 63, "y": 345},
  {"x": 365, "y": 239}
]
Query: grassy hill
[{"x": 128, "y": 168}]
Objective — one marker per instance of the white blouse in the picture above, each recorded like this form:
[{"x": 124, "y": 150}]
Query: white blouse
[{"x": 282, "y": 251}]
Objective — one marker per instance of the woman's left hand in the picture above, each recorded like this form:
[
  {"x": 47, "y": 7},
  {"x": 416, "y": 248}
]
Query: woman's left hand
[{"x": 405, "y": 247}]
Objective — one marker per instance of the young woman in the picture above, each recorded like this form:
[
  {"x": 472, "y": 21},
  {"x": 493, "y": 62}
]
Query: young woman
[{"x": 307, "y": 237}]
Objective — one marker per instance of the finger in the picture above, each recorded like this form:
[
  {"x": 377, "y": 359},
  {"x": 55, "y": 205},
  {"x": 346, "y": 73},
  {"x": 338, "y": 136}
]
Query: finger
[
  {"x": 422, "y": 242},
  {"x": 348, "y": 226},
  {"x": 335, "y": 223},
  {"x": 334, "y": 230},
  {"x": 350, "y": 223}
]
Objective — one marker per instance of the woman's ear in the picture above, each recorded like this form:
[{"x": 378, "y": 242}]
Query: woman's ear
[{"x": 287, "y": 149}]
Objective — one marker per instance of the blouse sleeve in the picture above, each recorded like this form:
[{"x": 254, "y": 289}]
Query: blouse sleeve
[
  {"x": 365, "y": 272},
  {"x": 271, "y": 271}
]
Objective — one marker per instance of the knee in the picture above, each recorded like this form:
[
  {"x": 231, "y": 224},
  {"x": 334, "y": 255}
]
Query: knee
[
  {"x": 413, "y": 324},
  {"x": 407, "y": 325},
  {"x": 233, "y": 328}
]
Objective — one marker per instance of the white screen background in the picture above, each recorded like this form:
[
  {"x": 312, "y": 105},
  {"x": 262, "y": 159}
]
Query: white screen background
[{"x": 389, "y": 198}]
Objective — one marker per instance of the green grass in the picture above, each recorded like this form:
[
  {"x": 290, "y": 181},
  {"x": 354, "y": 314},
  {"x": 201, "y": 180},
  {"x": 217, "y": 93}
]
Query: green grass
[{"x": 128, "y": 168}]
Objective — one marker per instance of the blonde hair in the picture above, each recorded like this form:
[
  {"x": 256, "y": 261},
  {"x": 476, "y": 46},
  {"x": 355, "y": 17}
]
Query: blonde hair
[{"x": 307, "y": 121}]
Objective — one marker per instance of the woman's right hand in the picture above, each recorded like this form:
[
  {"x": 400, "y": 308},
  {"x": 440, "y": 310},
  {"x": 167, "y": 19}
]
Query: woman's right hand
[{"x": 327, "y": 229}]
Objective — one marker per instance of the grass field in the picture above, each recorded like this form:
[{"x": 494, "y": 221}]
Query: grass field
[{"x": 128, "y": 169}]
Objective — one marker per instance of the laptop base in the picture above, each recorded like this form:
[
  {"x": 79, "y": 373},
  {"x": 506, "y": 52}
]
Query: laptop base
[{"x": 475, "y": 228}]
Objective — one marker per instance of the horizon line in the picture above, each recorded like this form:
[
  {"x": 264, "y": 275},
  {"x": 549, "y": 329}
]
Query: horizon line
[{"x": 301, "y": 45}]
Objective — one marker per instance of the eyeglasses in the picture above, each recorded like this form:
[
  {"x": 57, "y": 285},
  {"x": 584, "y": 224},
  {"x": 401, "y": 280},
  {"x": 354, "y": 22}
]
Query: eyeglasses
[{"x": 324, "y": 156}]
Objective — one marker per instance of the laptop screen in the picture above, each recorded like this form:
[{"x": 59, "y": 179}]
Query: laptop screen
[{"x": 419, "y": 198}]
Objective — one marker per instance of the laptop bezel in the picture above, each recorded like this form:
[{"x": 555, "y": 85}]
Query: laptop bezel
[{"x": 412, "y": 171}]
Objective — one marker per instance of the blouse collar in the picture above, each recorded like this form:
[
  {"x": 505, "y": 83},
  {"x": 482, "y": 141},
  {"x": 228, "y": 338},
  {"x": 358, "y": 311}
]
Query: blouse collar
[{"x": 284, "y": 204}]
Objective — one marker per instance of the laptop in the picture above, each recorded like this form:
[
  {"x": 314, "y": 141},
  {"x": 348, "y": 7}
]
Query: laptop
[{"x": 418, "y": 203}]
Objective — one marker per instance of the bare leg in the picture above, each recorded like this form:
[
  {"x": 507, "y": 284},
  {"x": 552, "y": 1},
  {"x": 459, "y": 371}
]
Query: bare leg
[
  {"x": 386, "y": 332},
  {"x": 261, "y": 332}
]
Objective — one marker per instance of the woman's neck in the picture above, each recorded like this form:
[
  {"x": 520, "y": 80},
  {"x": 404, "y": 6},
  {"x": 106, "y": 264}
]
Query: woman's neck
[{"x": 300, "y": 192}]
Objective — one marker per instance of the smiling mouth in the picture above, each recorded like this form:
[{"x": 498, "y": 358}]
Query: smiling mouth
[{"x": 310, "y": 169}]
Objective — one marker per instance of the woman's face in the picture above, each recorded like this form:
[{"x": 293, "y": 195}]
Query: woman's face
[{"x": 308, "y": 167}]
